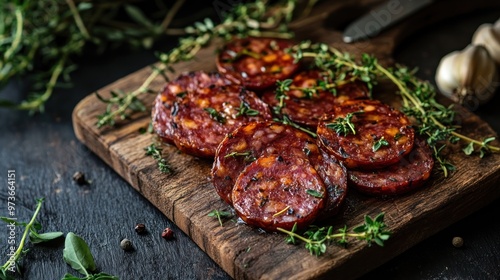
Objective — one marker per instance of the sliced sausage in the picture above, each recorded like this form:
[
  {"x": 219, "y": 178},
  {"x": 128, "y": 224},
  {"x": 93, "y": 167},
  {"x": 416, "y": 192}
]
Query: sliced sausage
[
  {"x": 278, "y": 191},
  {"x": 248, "y": 143},
  {"x": 306, "y": 107},
  {"x": 174, "y": 91},
  {"x": 256, "y": 63},
  {"x": 406, "y": 175},
  {"x": 204, "y": 117},
  {"x": 381, "y": 136}
]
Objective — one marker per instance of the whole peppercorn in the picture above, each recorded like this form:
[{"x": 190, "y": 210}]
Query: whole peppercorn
[
  {"x": 126, "y": 244},
  {"x": 167, "y": 234},
  {"x": 140, "y": 228},
  {"x": 79, "y": 178},
  {"x": 457, "y": 241}
]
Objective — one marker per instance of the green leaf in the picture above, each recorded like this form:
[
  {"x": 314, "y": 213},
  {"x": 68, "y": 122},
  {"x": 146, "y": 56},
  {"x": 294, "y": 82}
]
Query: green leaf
[
  {"x": 44, "y": 237},
  {"x": 379, "y": 143},
  {"x": 314, "y": 193},
  {"x": 469, "y": 149},
  {"x": 10, "y": 221},
  {"x": 77, "y": 254}
]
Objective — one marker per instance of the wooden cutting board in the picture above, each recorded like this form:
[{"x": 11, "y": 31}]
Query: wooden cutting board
[{"x": 187, "y": 196}]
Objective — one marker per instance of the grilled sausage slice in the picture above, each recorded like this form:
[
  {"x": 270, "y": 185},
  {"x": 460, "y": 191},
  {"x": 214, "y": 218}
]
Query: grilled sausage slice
[
  {"x": 381, "y": 135},
  {"x": 256, "y": 63}
]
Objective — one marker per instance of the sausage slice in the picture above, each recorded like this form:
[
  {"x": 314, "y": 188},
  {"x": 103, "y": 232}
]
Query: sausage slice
[
  {"x": 306, "y": 107},
  {"x": 256, "y": 63},
  {"x": 174, "y": 91},
  {"x": 204, "y": 117},
  {"x": 257, "y": 139},
  {"x": 406, "y": 175},
  {"x": 381, "y": 136},
  {"x": 278, "y": 191}
]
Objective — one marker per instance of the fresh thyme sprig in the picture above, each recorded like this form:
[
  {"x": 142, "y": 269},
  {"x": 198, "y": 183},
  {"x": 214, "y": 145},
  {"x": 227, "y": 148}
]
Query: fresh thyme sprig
[
  {"x": 379, "y": 144},
  {"x": 250, "y": 19},
  {"x": 155, "y": 153},
  {"x": 30, "y": 231},
  {"x": 43, "y": 37},
  {"x": 246, "y": 110},
  {"x": 418, "y": 97},
  {"x": 345, "y": 125},
  {"x": 215, "y": 115},
  {"x": 316, "y": 238}
]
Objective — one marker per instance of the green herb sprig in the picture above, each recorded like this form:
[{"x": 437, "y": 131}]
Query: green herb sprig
[
  {"x": 245, "y": 109},
  {"x": 250, "y": 19},
  {"x": 43, "y": 37},
  {"x": 215, "y": 115},
  {"x": 418, "y": 97},
  {"x": 77, "y": 254},
  {"x": 379, "y": 144},
  {"x": 220, "y": 214},
  {"x": 155, "y": 152},
  {"x": 31, "y": 229},
  {"x": 316, "y": 238},
  {"x": 247, "y": 156},
  {"x": 345, "y": 125}
]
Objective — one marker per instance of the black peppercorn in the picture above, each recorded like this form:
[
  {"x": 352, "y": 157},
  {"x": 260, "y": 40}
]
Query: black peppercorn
[
  {"x": 140, "y": 228},
  {"x": 79, "y": 178},
  {"x": 167, "y": 234},
  {"x": 126, "y": 245}
]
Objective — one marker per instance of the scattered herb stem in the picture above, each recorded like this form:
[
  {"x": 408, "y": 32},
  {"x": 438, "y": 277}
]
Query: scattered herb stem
[
  {"x": 14, "y": 258},
  {"x": 219, "y": 214},
  {"x": 155, "y": 153},
  {"x": 317, "y": 238}
]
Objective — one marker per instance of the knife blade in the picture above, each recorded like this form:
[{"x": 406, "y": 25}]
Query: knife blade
[{"x": 381, "y": 17}]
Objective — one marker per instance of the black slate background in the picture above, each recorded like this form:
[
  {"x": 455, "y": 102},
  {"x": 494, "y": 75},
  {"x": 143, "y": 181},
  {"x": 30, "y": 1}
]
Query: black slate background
[{"x": 45, "y": 153}]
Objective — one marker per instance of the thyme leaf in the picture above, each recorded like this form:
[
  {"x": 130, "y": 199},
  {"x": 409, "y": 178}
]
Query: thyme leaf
[
  {"x": 215, "y": 115},
  {"x": 219, "y": 214},
  {"x": 248, "y": 157},
  {"x": 246, "y": 110},
  {"x": 314, "y": 193},
  {"x": 379, "y": 143}
]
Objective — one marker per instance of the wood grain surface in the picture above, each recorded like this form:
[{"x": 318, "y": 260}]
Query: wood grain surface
[{"x": 187, "y": 196}]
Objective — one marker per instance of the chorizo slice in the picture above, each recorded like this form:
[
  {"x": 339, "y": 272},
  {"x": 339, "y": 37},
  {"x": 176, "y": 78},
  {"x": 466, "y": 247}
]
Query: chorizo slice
[
  {"x": 256, "y": 63},
  {"x": 334, "y": 177},
  {"x": 204, "y": 117},
  {"x": 406, "y": 175},
  {"x": 365, "y": 134},
  {"x": 174, "y": 91},
  {"x": 278, "y": 191},
  {"x": 309, "y": 98},
  {"x": 254, "y": 140}
]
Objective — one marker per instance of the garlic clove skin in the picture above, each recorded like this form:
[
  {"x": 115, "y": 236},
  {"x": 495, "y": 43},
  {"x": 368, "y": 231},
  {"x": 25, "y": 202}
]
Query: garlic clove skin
[
  {"x": 467, "y": 76},
  {"x": 488, "y": 35}
]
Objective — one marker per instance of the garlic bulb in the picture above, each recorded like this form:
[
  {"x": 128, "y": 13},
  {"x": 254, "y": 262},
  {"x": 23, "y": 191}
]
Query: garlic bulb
[
  {"x": 488, "y": 35},
  {"x": 467, "y": 76}
]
